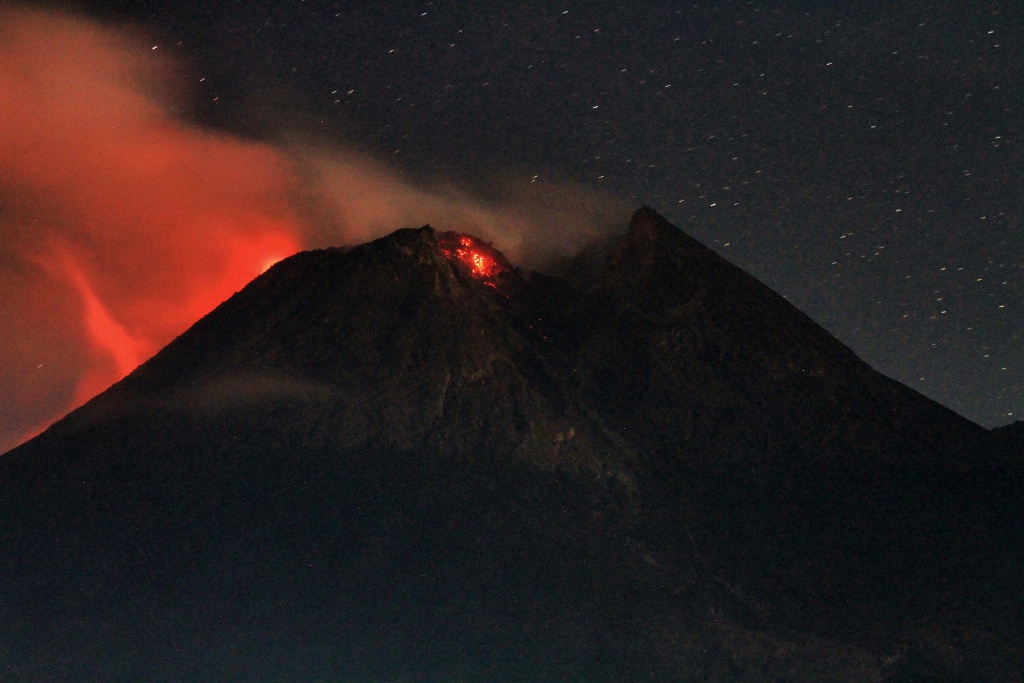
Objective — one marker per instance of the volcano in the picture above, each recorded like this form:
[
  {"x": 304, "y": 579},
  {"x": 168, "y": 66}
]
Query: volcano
[{"x": 411, "y": 461}]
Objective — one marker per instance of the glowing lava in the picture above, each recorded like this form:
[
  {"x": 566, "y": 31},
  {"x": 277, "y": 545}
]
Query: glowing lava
[
  {"x": 111, "y": 342},
  {"x": 483, "y": 261},
  {"x": 124, "y": 326}
]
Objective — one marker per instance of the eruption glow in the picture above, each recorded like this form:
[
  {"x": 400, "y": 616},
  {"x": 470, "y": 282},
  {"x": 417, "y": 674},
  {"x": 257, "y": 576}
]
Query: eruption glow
[
  {"x": 483, "y": 261},
  {"x": 110, "y": 341},
  {"x": 122, "y": 223}
]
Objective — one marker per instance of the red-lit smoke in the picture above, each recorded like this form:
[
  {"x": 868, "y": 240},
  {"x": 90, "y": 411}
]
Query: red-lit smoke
[{"x": 120, "y": 225}]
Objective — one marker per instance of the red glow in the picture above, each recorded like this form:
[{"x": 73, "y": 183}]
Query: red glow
[
  {"x": 269, "y": 263},
  {"x": 119, "y": 352},
  {"x": 121, "y": 224},
  {"x": 121, "y": 333},
  {"x": 483, "y": 261}
]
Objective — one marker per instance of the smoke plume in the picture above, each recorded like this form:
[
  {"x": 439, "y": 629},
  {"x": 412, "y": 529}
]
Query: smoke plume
[{"x": 122, "y": 223}]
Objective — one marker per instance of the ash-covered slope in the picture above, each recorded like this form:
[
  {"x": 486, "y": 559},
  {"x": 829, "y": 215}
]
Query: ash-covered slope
[{"x": 408, "y": 461}]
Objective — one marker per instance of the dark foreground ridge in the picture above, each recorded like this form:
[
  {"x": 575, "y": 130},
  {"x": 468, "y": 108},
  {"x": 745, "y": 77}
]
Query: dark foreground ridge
[{"x": 409, "y": 461}]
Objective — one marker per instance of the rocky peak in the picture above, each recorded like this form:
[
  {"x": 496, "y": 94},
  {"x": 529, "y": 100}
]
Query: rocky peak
[{"x": 648, "y": 224}]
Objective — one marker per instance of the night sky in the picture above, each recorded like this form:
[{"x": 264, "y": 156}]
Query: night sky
[{"x": 864, "y": 159}]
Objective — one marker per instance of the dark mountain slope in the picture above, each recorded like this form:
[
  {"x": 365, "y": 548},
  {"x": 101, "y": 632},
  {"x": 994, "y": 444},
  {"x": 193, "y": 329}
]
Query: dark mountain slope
[
  {"x": 1010, "y": 442},
  {"x": 407, "y": 462},
  {"x": 339, "y": 460},
  {"x": 716, "y": 344},
  {"x": 807, "y": 456}
]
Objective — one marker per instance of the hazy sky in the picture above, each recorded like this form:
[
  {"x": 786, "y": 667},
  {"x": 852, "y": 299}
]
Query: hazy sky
[{"x": 862, "y": 158}]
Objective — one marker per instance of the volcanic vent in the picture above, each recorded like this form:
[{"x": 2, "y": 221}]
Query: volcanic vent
[{"x": 483, "y": 261}]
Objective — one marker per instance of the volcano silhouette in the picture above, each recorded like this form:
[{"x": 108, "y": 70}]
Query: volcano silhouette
[{"x": 410, "y": 461}]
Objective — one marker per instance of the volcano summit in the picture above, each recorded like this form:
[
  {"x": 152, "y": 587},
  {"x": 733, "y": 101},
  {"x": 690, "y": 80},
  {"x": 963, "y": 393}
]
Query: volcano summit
[{"x": 411, "y": 461}]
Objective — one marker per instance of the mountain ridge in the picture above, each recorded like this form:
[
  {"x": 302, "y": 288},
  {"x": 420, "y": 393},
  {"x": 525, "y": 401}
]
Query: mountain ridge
[{"x": 415, "y": 463}]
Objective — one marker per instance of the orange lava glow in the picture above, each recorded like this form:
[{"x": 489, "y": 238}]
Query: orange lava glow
[
  {"x": 121, "y": 224},
  {"x": 482, "y": 260},
  {"x": 118, "y": 351},
  {"x": 123, "y": 331}
]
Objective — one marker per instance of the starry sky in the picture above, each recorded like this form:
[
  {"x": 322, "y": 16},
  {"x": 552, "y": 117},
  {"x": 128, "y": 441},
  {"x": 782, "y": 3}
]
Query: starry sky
[{"x": 864, "y": 159}]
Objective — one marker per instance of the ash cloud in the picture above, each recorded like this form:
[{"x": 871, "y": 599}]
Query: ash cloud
[
  {"x": 122, "y": 222},
  {"x": 354, "y": 198}
]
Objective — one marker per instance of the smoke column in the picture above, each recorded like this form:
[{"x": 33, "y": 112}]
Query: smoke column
[{"x": 122, "y": 223}]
